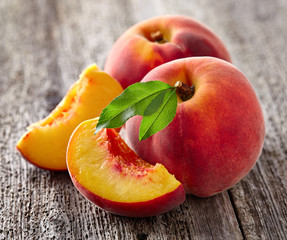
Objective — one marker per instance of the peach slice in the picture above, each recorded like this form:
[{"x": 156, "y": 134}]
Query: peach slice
[
  {"x": 108, "y": 173},
  {"x": 45, "y": 142}
]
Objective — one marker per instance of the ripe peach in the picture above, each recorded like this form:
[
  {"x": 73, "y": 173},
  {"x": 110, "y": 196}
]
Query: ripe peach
[
  {"x": 216, "y": 136},
  {"x": 45, "y": 142},
  {"x": 108, "y": 173},
  {"x": 158, "y": 40}
]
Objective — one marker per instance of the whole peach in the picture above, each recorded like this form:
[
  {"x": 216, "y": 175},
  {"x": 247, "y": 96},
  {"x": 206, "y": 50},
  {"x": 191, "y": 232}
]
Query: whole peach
[
  {"x": 216, "y": 136},
  {"x": 158, "y": 40}
]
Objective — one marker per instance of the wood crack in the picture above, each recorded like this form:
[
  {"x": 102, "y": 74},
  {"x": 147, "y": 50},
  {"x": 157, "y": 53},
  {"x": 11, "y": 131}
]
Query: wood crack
[{"x": 236, "y": 214}]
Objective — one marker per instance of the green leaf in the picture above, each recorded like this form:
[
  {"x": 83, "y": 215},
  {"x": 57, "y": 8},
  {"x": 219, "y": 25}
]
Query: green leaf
[
  {"x": 159, "y": 114},
  {"x": 134, "y": 100}
]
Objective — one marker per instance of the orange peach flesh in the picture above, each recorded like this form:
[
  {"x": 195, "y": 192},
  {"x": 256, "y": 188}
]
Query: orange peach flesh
[
  {"x": 104, "y": 165},
  {"x": 45, "y": 142}
]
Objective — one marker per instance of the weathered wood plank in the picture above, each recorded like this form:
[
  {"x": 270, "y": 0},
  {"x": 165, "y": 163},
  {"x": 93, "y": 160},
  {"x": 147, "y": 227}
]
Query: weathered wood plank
[
  {"x": 44, "y": 47},
  {"x": 260, "y": 199}
]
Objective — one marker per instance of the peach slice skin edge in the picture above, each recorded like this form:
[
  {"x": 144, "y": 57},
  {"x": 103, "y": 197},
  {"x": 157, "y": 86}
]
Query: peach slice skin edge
[
  {"x": 45, "y": 142},
  {"x": 108, "y": 173},
  {"x": 150, "y": 208}
]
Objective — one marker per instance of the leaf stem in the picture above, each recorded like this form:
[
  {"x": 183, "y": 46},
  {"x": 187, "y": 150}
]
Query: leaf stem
[
  {"x": 158, "y": 37},
  {"x": 184, "y": 91}
]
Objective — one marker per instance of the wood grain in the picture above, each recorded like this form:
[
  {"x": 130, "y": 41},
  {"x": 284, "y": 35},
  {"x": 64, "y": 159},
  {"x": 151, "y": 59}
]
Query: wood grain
[{"x": 46, "y": 44}]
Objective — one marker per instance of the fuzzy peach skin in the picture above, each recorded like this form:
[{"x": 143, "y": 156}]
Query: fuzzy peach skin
[
  {"x": 45, "y": 142},
  {"x": 108, "y": 173},
  {"x": 216, "y": 136},
  {"x": 158, "y": 40}
]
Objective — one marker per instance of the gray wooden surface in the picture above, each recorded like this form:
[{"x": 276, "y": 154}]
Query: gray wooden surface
[{"x": 45, "y": 44}]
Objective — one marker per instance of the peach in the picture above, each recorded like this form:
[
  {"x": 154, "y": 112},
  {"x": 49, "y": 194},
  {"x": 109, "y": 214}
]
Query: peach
[
  {"x": 158, "y": 40},
  {"x": 108, "y": 173},
  {"x": 45, "y": 142},
  {"x": 216, "y": 136}
]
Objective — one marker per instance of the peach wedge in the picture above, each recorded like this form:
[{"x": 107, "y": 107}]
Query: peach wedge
[
  {"x": 45, "y": 142},
  {"x": 108, "y": 173}
]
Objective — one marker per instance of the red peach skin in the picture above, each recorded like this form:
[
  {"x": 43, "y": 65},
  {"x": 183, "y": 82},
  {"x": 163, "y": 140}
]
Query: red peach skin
[
  {"x": 158, "y": 40},
  {"x": 216, "y": 136}
]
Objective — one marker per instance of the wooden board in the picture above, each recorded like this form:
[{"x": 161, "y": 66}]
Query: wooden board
[{"x": 43, "y": 48}]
